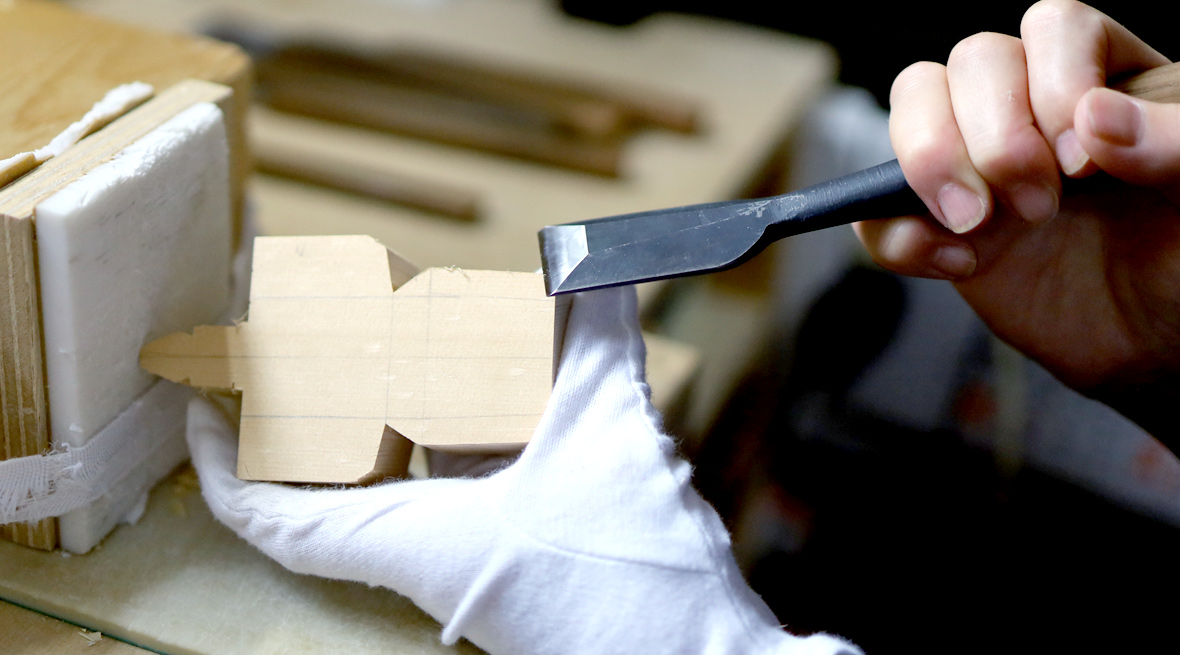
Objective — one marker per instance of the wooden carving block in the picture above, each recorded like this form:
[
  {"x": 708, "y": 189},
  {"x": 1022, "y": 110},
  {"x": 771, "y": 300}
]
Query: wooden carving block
[{"x": 349, "y": 355}]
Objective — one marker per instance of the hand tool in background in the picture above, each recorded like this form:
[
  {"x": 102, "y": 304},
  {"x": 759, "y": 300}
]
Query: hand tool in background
[
  {"x": 443, "y": 97},
  {"x": 292, "y": 159},
  {"x": 681, "y": 241}
]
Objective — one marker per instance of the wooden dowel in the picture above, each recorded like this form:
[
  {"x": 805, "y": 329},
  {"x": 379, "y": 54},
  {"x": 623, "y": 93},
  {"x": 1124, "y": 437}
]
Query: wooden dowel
[
  {"x": 587, "y": 116},
  {"x": 1157, "y": 85},
  {"x": 353, "y": 177},
  {"x": 314, "y": 91},
  {"x": 632, "y": 107}
]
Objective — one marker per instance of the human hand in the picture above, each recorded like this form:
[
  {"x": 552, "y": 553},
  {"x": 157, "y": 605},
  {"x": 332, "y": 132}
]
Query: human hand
[
  {"x": 593, "y": 541},
  {"x": 1089, "y": 284}
]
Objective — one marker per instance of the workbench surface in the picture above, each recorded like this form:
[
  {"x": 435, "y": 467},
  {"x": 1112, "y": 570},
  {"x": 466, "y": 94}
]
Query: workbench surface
[{"x": 180, "y": 583}]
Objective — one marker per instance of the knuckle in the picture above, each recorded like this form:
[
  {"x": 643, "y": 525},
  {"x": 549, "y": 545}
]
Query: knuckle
[
  {"x": 982, "y": 46},
  {"x": 878, "y": 237},
  {"x": 903, "y": 246},
  {"x": 886, "y": 263},
  {"x": 914, "y": 77},
  {"x": 895, "y": 246},
  {"x": 924, "y": 152},
  {"x": 1003, "y": 156},
  {"x": 1052, "y": 14},
  {"x": 993, "y": 157}
]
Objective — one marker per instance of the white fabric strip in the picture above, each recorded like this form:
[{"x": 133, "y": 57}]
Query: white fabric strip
[{"x": 40, "y": 486}]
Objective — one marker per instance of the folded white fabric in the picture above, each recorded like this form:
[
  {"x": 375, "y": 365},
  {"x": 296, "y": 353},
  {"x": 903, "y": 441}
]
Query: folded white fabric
[{"x": 593, "y": 541}]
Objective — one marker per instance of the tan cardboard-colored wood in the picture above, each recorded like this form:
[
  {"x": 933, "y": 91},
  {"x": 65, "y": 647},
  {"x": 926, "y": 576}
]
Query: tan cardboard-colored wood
[
  {"x": 286, "y": 158},
  {"x": 24, "y": 416},
  {"x": 179, "y": 582},
  {"x": 29, "y": 633},
  {"x": 347, "y": 354},
  {"x": 336, "y": 93},
  {"x": 23, "y": 411},
  {"x": 1161, "y": 84},
  {"x": 58, "y": 62}
]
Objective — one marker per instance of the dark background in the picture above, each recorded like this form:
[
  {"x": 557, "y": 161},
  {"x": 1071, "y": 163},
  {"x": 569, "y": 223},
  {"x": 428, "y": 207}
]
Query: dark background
[
  {"x": 876, "y": 40},
  {"x": 910, "y": 542}
]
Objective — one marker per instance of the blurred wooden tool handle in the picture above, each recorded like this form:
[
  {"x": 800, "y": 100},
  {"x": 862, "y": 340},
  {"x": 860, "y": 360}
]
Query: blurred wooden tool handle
[
  {"x": 1157, "y": 85},
  {"x": 308, "y": 89},
  {"x": 272, "y": 156},
  {"x": 585, "y": 115},
  {"x": 598, "y": 109}
]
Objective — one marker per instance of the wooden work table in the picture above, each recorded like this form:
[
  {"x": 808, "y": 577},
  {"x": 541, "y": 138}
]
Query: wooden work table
[
  {"x": 177, "y": 582},
  {"x": 25, "y": 632}
]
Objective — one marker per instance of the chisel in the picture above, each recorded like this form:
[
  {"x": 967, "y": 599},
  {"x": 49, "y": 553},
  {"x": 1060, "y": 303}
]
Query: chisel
[{"x": 667, "y": 243}]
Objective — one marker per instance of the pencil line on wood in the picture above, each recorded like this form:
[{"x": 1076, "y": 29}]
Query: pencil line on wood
[
  {"x": 429, "y": 303},
  {"x": 389, "y": 360}
]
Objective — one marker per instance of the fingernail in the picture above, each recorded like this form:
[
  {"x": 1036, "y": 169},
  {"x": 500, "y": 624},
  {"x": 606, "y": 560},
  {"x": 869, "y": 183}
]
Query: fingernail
[
  {"x": 1035, "y": 204},
  {"x": 1115, "y": 118},
  {"x": 954, "y": 261},
  {"x": 1069, "y": 152},
  {"x": 961, "y": 208}
]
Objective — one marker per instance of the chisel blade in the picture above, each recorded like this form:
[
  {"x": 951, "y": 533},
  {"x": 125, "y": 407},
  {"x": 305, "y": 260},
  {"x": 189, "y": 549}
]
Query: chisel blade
[{"x": 656, "y": 245}]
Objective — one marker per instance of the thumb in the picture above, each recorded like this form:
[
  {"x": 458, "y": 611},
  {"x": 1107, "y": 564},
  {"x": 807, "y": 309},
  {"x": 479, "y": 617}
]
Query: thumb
[{"x": 1134, "y": 140}]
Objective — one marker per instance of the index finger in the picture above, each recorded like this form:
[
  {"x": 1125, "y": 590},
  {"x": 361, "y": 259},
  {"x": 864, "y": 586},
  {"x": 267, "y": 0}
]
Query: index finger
[{"x": 1072, "y": 48}]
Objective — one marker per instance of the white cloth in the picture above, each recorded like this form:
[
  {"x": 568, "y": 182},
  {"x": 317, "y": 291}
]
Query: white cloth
[
  {"x": 40, "y": 486},
  {"x": 593, "y": 541}
]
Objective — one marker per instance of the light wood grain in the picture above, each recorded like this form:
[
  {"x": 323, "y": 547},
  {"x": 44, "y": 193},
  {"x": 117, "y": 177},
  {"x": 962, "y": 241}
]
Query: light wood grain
[
  {"x": 1160, "y": 84},
  {"x": 344, "y": 357},
  {"x": 23, "y": 632},
  {"x": 591, "y": 109},
  {"x": 179, "y": 582},
  {"x": 351, "y": 95},
  {"x": 59, "y": 62},
  {"x": 287, "y": 158},
  {"x": 24, "y": 416}
]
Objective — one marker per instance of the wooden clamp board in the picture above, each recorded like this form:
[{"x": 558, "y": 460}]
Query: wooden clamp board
[
  {"x": 349, "y": 355},
  {"x": 57, "y": 64}
]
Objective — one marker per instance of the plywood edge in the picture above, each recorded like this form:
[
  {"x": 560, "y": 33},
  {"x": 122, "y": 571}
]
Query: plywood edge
[
  {"x": 18, "y": 200},
  {"x": 24, "y": 413}
]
